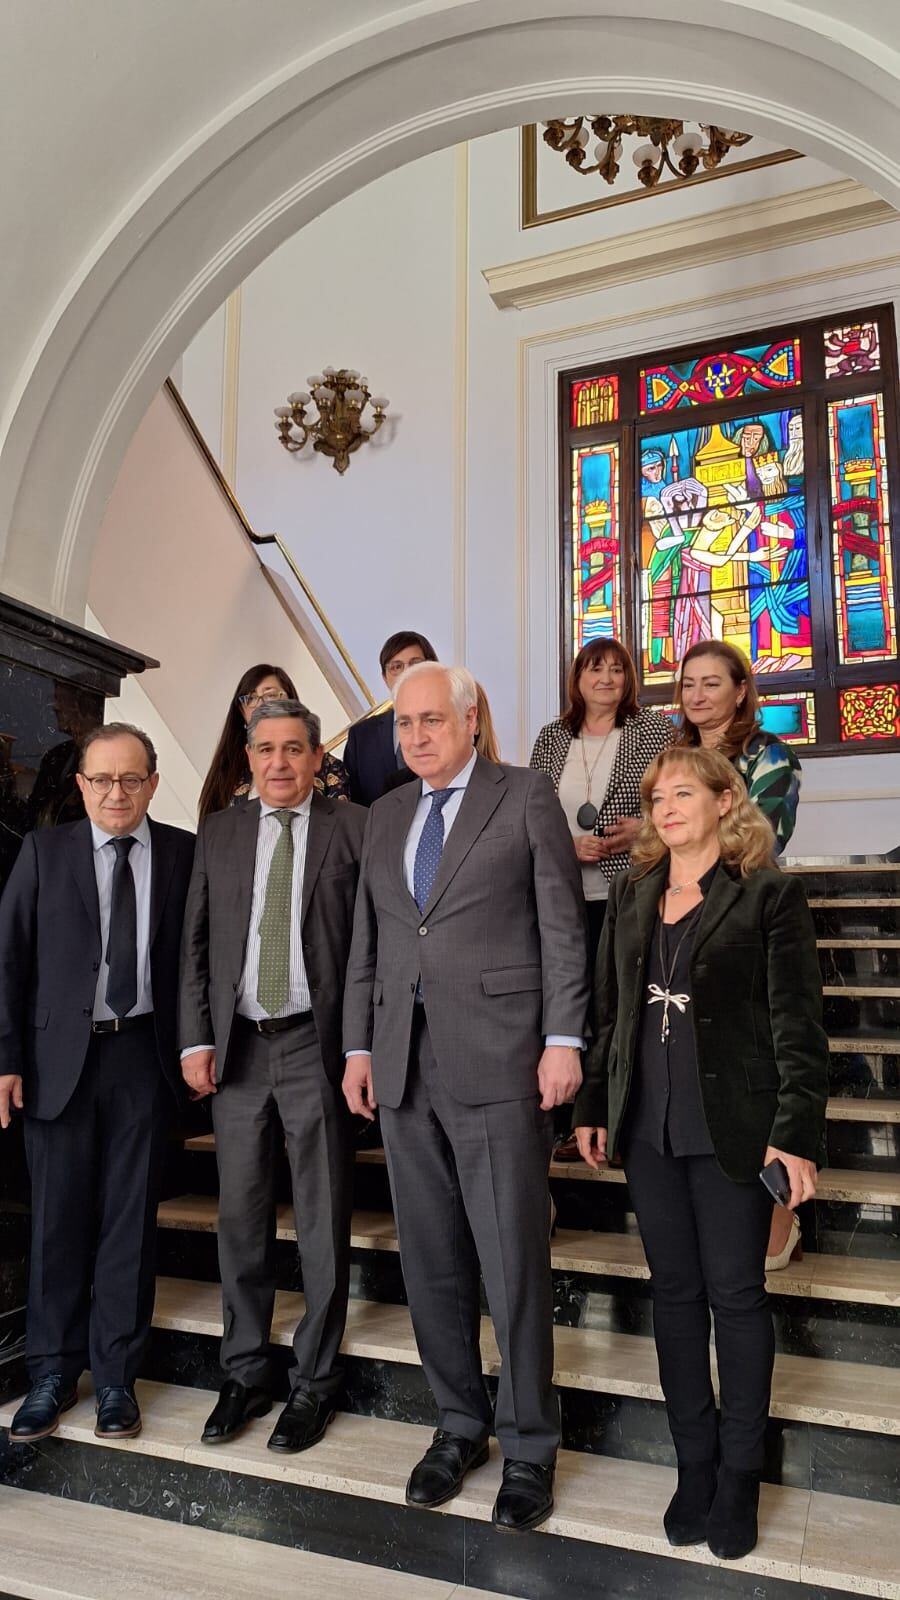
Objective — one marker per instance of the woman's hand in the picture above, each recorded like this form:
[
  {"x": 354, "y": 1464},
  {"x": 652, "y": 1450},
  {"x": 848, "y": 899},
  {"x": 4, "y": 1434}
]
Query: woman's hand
[
  {"x": 620, "y": 835},
  {"x": 592, "y": 1145},
  {"x": 589, "y": 848},
  {"x": 801, "y": 1174}
]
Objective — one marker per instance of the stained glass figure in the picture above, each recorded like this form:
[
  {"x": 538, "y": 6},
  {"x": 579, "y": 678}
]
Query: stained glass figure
[
  {"x": 724, "y": 375},
  {"x": 872, "y": 712},
  {"x": 597, "y": 583},
  {"x": 594, "y": 401},
  {"x": 860, "y": 521},
  {"x": 723, "y": 542},
  {"x": 851, "y": 349}
]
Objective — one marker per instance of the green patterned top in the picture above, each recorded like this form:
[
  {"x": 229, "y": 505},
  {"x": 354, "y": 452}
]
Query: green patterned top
[{"x": 771, "y": 772}]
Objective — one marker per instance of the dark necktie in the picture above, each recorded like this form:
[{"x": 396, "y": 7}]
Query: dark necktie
[
  {"x": 273, "y": 985},
  {"x": 121, "y": 945},
  {"x": 430, "y": 848}
]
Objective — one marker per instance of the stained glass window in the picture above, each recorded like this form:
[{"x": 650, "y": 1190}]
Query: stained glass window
[
  {"x": 723, "y": 375},
  {"x": 851, "y": 349},
  {"x": 596, "y": 586},
  {"x": 594, "y": 401},
  {"x": 872, "y": 712},
  {"x": 860, "y": 516},
  {"x": 723, "y": 543},
  {"x": 791, "y": 717}
]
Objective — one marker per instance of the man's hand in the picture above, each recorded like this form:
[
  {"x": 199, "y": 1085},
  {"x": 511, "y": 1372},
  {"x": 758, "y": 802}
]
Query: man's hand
[
  {"x": 802, "y": 1175},
  {"x": 591, "y": 1145},
  {"x": 10, "y": 1095},
  {"x": 621, "y": 834},
  {"x": 559, "y": 1075},
  {"x": 358, "y": 1091},
  {"x": 199, "y": 1073}
]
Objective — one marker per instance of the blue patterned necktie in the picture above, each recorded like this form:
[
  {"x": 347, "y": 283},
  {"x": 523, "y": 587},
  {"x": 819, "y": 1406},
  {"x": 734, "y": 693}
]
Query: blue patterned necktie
[{"x": 430, "y": 847}]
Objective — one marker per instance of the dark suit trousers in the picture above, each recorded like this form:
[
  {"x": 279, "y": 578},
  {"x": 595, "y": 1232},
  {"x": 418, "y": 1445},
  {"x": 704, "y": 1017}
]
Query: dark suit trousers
[
  {"x": 95, "y": 1177},
  {"x": 275, "y": 1092},
  {"x": 705, "y": 1238},
  {"x": 470, "y": 1185}
]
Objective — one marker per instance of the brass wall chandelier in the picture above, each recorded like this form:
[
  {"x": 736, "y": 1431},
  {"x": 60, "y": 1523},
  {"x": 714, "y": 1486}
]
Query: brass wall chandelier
[
  {"x": 343, "y": 424},
  {"x": 668, "y": 145}
]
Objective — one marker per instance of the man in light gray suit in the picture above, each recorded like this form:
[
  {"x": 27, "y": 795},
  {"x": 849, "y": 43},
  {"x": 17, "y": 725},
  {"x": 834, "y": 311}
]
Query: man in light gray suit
[
  {"x": 464, "y": 1011},
  {"x": 266, "y": 939}
]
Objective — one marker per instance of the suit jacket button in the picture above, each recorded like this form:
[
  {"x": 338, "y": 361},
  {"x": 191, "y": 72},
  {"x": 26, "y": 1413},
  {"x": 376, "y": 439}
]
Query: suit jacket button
[
  {"x": 422, "y": 932},
  {"x": 88, "y": 1011},
  {"x": 96, "y": 966},
  {"x": 639, "y": 963}
]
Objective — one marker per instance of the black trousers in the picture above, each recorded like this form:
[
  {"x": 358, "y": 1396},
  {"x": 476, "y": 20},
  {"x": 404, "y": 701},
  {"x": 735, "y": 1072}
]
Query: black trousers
[
  {"x": 95, "y": 1178},
  {"x": 469, "y": 1185},
  {"x": 276, "y": 1093},
  {"x": 705, "y": 1238}
]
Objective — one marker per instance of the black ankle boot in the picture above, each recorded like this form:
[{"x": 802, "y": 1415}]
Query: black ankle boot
[
  {"x": 731, "y": 1530},
  {"x": 688, "y": 1509}
]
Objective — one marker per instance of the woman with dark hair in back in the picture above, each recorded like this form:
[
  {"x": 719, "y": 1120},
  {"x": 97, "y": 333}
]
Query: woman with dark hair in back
[{"x": 228, "y": 780}]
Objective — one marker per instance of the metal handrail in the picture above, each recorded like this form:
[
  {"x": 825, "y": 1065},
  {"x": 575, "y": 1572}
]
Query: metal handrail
[
  {"x": 332, "y": 744},
  {"x": 278, "y": 542}
]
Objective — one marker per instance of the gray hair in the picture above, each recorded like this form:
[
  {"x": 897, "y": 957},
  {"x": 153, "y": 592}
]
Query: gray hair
[
  {"x": 459, "y": 680},
  {"x": 287, "y": 708},
  {"x": 114, "y": 730}
]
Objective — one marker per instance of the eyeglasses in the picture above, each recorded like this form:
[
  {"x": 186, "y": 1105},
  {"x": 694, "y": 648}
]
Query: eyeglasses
[
  {"x": 104, "y": 784},
  {"x": 394, "y": 668},
  {"x": 252, "y": 700}
]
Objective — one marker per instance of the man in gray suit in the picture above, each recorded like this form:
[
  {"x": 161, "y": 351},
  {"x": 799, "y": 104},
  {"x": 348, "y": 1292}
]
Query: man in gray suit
[
  {"x": 464, "y": 1011},
  {"x": 266, "y": 938}
]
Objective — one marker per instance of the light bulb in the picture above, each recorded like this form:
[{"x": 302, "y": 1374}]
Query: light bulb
[
  {"x": 582, "y": 137},
  {"x": 644, "y": 152},
  {"x": 380, "y": 402},
  {"x": 688, "y": 144},
  {"x": 282, "y": 411},
  {"x": 315, "y": 380},
  {"x": 298, "y": 398}
]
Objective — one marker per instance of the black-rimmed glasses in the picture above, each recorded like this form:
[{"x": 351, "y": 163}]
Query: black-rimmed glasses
[
  {"x": 102, "y": 783},
  {"x": 254, "y": 700}
]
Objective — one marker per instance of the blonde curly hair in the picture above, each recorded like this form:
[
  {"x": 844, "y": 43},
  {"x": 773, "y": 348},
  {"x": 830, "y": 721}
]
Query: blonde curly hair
[{"x": 746, "y": 838}]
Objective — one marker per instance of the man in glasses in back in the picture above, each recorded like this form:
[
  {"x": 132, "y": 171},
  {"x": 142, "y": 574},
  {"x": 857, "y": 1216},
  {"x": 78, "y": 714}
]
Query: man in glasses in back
[{"x": 90, "y": 930}]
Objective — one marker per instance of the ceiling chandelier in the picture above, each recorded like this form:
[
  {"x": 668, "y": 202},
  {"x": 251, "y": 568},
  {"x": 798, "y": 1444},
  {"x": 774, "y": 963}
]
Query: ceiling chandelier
[
  {"x": 340, "y": 397},
  {"x": 668, "y": 145}
]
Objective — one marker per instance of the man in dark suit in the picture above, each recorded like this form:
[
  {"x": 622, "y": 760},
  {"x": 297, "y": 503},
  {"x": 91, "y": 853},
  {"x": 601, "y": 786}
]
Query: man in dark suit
[
  {"x": 372, "y": 754},
  {"x": 465, "y": 1006},
  {"x": 266, "y": 939},
  {"x": 90, "y": 928}
]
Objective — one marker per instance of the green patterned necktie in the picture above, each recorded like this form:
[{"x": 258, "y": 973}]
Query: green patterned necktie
[{"x": 273, "y": 982}]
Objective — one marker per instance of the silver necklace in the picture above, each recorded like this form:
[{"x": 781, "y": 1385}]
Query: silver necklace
[
  {"x": 679, "y": 888},
  {"x": 586, "y": 815},
  {"x": 665, "y": 997}
]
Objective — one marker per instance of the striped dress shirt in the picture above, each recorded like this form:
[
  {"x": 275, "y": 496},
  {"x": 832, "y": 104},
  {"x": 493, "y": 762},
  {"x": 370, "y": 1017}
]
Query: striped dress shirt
[{"x": 266, "y": 840}]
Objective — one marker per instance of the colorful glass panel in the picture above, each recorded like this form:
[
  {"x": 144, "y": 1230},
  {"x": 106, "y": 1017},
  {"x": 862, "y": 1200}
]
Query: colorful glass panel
[
  {"x": 723, "y": 375},
  {"x": 597, "y": 578},
  {"x": 852, "y": 348},
  {"x": 594, "y": 401},
  {"x": 723, "y": 543},
  {"x": 872, "y": 712},
  {"x": 791, "y": 717},
  {"x": 860, "y": 524}
]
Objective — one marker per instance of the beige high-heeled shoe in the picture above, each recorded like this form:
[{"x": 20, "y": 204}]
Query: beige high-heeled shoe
[{"x": 793, "y": 1250}]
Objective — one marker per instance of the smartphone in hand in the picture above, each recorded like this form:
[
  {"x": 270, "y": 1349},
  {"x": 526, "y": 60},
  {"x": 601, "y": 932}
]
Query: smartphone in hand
[{"x": 775, "y": 1178}]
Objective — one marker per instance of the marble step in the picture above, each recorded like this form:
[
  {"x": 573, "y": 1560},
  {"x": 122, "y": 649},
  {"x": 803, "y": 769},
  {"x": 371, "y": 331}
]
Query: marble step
[
  {"x": 801, "y": 869},
  {"x": 861, "y": 991},
  {"x": 805, "y": 1537},
  {"x": 856, "y": 903},
  {"x": 60, "y": 1549},
  {"x": 853, "y": 1279},
  {"x": 847, "y": 1109},
  {"x": 833, "y": 1394},
  {"x": 858, "y": 944},
  {"x": 856, "y": 1187}
]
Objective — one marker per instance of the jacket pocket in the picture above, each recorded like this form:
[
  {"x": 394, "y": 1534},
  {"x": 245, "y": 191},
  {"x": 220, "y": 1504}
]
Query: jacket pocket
[{"x": 511, "y": 980}]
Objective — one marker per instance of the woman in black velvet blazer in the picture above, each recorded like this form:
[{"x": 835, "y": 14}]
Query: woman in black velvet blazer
[{"x": 708, "y": 1060}]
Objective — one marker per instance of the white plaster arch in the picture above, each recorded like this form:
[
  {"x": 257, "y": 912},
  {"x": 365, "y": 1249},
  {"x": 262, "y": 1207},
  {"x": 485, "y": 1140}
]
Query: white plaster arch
[{"x": 425, "y": 76}]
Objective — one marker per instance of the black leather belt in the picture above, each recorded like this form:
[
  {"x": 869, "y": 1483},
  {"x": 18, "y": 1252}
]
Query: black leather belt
[
  {"x": 270, "y": 1025},
  {"x": 122, "y": 1024}
]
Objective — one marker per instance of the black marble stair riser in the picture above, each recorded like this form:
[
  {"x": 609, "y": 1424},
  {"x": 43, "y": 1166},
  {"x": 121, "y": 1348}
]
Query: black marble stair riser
[
  {"x": 847, "y": 1015},
  {"x": 857, "y": 1074},
  {"x": 860, "y": 969},
  {"x": 857, "y": 885},
  {"x": 864, "y": 1146},
  {"x": 454, "y": 1549},
  {"x": 856, "y": 922},
  {"x": 843, "y": 1228}
]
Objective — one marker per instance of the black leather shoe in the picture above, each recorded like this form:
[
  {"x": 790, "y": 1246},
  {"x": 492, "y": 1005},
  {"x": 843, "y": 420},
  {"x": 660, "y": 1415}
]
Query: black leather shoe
[
  {"x": 526, "y": 1496},
  {"x": 302, "y": 1422},
  {"x": 118, "y": 1414},
  {"x": 42, "y": 1408},
  {"x": 439, "y": 1475},
  {"x": 236, "y": 1405},
  {"x": 688, "y": 1510},
  {"x": 731, "y": 1528}
]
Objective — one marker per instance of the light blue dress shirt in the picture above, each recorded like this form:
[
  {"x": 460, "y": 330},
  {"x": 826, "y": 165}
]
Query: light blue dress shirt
[{"x": 139, "y": 860}]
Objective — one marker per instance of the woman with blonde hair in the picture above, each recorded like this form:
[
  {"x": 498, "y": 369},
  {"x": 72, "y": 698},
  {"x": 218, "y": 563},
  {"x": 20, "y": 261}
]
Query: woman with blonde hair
[{"x": 708, "y": 1063}]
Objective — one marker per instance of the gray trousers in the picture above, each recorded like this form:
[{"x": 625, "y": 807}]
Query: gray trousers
[
  {"x": 470, "y": 1188},
  {"x": 275, "y": 1089}
]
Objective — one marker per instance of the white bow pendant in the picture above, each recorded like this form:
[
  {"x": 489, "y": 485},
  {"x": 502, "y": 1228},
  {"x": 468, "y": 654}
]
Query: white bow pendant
[{"x": 666, "y": 999}]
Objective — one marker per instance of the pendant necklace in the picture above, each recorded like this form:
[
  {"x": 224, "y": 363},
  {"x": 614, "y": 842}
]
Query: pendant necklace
[
  {"x": 586, "y": 815},
  {"x": 665, "y": 997}
]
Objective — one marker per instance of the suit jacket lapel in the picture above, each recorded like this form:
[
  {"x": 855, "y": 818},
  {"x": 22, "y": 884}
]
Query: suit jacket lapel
[
  {"x": 162, "y": 865},
  {"x": 403, "y": 809},
  {"x": 647, "y": 891},
  {"x": 81, "y": 860},
  {"x": 723, "y": 892},
  {"x": 321, "y": 827},
  {"x": 246, "y": 832},
  {"x": 485, "y": 790}
]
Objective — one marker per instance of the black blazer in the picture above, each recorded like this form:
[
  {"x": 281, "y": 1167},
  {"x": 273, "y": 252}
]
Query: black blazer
[
  {"x": 217, "y": 921},
  {"x": 756, "y": 1005},
  {"x": 370, "y": 758},
  {"x": 50, "y": 953}
]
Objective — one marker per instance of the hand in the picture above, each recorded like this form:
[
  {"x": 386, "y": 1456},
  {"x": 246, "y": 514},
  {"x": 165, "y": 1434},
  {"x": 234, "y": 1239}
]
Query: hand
[
  {"x": 589, "y": 848},
  {"x": 621, "y": 834},
  {"x": 802, "y": 1175},
  {"x": 559, "y": 1075},
  {"x": 358, "y": 1091},
  {"x": 10, "y": 1095},
  {"x": 592, "y": 1145},
  {"x": 199, "y": 1073}
]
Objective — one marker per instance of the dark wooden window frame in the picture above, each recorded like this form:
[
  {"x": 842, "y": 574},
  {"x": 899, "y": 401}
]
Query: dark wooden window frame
[{"x": 826, "y": 677}]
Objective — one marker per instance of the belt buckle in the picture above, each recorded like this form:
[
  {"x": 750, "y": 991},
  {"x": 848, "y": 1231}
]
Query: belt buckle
[{"x": 116, "y": 1024}]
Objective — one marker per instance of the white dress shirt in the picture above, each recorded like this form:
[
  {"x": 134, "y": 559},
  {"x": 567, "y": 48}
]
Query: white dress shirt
[
  {"x": 139, "y": 860},
  {"x": 268, "y": 834}
]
